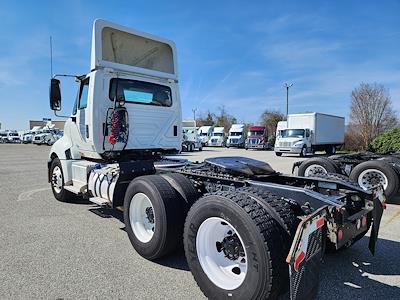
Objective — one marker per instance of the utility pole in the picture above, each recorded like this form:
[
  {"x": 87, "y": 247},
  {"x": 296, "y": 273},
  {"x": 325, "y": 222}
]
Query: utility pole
[
  {"x": 287, "y": 86},
  {"x": 194, "y": 113}
]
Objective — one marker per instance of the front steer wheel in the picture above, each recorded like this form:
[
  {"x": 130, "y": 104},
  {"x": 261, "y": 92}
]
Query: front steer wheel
[
  {"x": 234, "y": 248},
  {"x": 57, "y": 183},
  {"x": 154, "y": 215}
]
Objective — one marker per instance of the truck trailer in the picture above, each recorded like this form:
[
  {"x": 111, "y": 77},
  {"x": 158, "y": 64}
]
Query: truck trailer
[
  {"x": 248, "y": 231},
  {"x": 310, "y": 132}
]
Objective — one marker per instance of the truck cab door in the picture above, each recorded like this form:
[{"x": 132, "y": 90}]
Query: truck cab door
[
  {"x": 80, "y": 133},
  {"x": 308, "y": 137}
]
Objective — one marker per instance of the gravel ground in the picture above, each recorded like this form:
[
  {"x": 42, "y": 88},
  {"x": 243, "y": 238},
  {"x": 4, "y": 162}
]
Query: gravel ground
[{"x": 56, "y": 250}]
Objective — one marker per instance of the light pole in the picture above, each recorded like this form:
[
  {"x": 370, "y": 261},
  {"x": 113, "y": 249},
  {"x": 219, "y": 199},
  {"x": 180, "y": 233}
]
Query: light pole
[
  {"x": 287, "y": 86},
  {"x": 194, "y": 113}
]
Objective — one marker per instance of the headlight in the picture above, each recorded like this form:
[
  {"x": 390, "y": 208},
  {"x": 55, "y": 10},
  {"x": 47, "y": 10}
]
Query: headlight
[{"x": 298, "y": 144}]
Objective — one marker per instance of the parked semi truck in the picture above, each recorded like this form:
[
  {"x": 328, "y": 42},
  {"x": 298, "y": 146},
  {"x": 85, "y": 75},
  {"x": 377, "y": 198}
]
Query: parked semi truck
[
  {"x": 310, "y": 132},
  {"x": 236, "y": 136},
  {"x": 205, "y": 133},
  {"x": 363, "y": 168},
  {"x": 257, "y": 138},
  {"x": 190, "y": 137},
  {"x": 218, "y": 137},
  {"x": 248, "y": 231}
]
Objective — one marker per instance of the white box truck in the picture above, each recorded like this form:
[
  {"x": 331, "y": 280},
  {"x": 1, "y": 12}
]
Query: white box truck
[
  {"x": 310, "y": 132},
  {"x": 190, "y": 137},
  {"x": 236, "y": 136},
  {"x": 218, "y": 137}
]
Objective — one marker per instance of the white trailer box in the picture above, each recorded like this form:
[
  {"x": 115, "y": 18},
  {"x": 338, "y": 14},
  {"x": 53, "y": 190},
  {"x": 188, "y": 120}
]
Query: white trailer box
[{"x": 310, "y": 132}]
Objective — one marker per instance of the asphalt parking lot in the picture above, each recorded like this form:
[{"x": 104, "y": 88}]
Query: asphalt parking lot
[{"x": 56, "y": 250}]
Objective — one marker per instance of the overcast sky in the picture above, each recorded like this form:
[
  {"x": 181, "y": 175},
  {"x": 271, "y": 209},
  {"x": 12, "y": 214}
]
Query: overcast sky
[{"x": 236, "y": 54}]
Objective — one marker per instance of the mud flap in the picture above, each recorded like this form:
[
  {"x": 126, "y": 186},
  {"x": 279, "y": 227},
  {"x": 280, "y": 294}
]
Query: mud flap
[
  {"x": 379, "y": 206},
  {"x": 305, "y": 256}
]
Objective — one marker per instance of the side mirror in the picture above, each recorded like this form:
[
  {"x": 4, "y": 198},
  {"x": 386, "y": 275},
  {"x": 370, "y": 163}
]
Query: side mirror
[{"x": 55, "y": 94}]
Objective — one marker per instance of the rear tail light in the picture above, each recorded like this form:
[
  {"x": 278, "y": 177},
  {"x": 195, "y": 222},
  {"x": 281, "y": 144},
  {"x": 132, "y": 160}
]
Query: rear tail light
[
  {"x": 340, "y": 235},
  {"x": 363, "y": 221}
]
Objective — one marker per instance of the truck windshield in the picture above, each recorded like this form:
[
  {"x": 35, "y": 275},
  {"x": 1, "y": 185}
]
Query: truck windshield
[
  {"x": 293, "y": 133},
  {"x": 218, "y": 134},
  {"x": 13, "y": 134},
  {"x": 140, "y": 92},
  {"x": 257, "y": 132},
  {"x": 203, "y": 133},
  {"x": 236, "y": 133}
]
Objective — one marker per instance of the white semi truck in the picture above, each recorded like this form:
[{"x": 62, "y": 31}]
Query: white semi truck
[
  {"x": 310, "y": 132},
  {"x": 245, "y": 227},
  {"x": 236, "y": 137},
  {"x": 190, "y": 136},
  {"x": 205, "y": 133},
  {"x": 218, "y": 137}
]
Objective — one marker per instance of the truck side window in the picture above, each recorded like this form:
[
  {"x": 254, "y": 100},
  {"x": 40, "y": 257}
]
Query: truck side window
[{"x": 83, "y": 97}]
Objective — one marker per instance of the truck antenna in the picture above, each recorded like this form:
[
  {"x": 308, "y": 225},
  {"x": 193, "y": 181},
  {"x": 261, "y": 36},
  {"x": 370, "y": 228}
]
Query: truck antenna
[{"x": 51, "y": 57}]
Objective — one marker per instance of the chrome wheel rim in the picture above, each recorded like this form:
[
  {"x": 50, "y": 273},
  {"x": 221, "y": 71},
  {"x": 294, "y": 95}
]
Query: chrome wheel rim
[
  {"x": 372, "y": 177},
  {"x": 314, "y": 170}
]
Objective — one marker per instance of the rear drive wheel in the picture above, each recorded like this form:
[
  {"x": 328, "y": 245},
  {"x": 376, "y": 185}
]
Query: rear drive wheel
[
  {"x": 153, "y": 216},
  {"x": 317, "y": 165},
  {"x": 57, "y": 183},
  {"x": 370, "y": 173},
  {"x": 233, "y": 248}
]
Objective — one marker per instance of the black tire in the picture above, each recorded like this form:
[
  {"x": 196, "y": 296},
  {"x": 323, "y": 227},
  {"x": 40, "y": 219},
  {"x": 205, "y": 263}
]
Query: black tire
[
  {"x": 201, "y": 148},
  {"x": 278, "y": 153},
  {"x": 260, "y": 234},
  {"x": 184, "y": 187},
  {"x": 63, "y": 195},
  {"x": 330, "y": 150},
  {"x": 303, "y": 151},
  {"x": 168, "y": 213},
  {"x": 328, "y": 164},
  {"x": 382, "y": 166}
]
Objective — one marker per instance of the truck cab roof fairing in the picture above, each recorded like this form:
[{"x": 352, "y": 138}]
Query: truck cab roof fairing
[{"x": 112, "y": 46}]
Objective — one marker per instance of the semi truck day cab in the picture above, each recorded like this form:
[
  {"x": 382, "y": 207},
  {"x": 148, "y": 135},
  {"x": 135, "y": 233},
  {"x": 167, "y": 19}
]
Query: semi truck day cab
[
  {"x": 205, "y": 133},
  {"x": 236, "y": 136},
  {"x": 190, "y": 137},
  {"x": 248, "y": 231},
  {"x": 257, "y": 138},
  {"x": 218, "y": 137},
  {"x": 310, "y": 132}
]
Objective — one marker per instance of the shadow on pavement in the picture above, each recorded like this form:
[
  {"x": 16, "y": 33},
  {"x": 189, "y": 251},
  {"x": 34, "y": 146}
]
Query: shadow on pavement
[{"x": 356, "y": 274}]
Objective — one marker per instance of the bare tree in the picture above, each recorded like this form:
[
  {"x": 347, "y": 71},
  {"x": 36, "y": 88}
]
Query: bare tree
[
  {"x": 371, "y": 111},
  {"x": 270, "y": 119},
  {"x": 224, "y": 119},
  {"x": 207, "y": 120}
]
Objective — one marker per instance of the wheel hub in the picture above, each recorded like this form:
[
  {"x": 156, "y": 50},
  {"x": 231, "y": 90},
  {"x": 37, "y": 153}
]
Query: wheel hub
[
  {"x": 150, "y": 214},
  {"x": 231, "y": 246}
]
